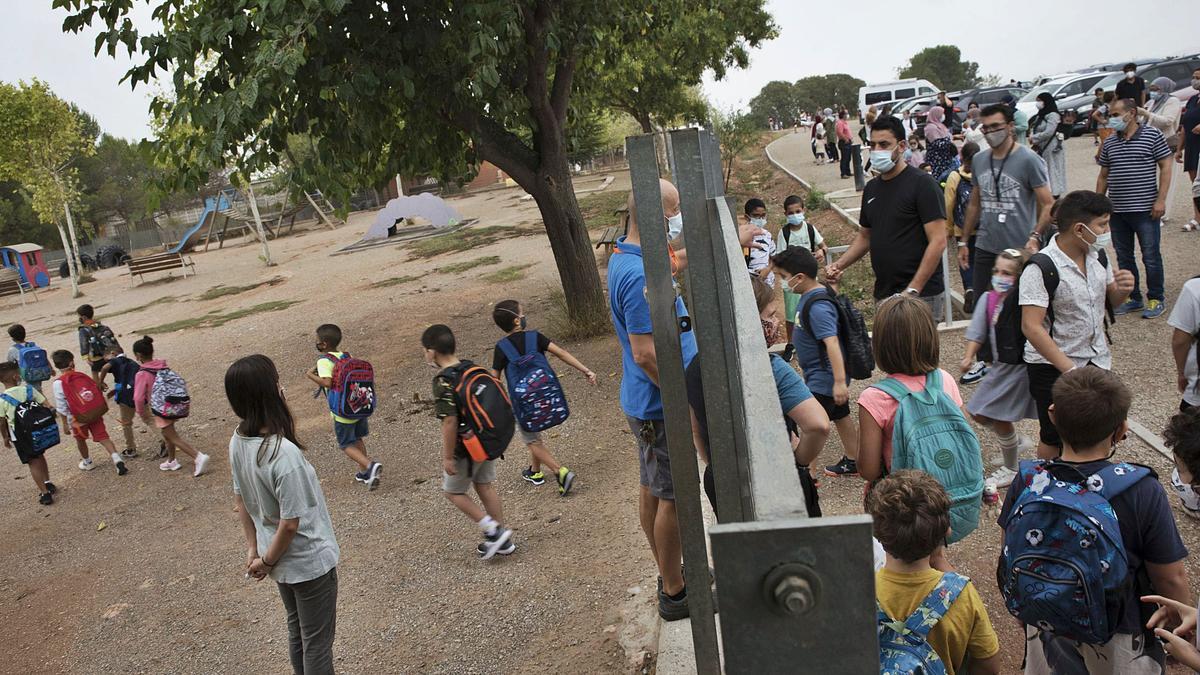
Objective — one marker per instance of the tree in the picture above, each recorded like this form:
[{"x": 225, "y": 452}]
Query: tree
[
  {"x": 116, "y": 183},
  {"x": 389, "y": 87},
  {"x": 943, "y": 65},
  {"x": 837, "y": 90},
  {"x": 18, "y": 221},
  {"x": 776, "y": 99},
  {"x": 736, "y": 131},
  {"x": 40, "y": 139}
]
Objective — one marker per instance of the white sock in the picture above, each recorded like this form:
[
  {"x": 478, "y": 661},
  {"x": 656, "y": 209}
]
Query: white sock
[
  {"x": 1008, "y": 446},
  {"x": 488, "y": 525},
  {"x": 116, "y": 458}
]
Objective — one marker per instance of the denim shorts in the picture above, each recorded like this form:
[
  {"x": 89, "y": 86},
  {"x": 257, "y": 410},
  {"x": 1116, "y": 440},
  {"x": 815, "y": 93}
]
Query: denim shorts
[{"x": 349, "y": 433}]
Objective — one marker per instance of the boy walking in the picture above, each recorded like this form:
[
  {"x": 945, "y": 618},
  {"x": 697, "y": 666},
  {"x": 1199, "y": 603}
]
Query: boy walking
[
  {"x": 94, "y": 339},
  {"x": 30, "y": 359},
  {"x": 459, "y": 471},
  {"x": 912, "y": 519},
  {"x": 509, "y": 316},
  {"x": 349, "y": 433},
  {"x": 81, "y": 407},
  {"x": 124, "y": 371},
  {"x": 1096, "y": 500},
  {"x": 819, "y": 351},
  {"x": 14, "y": 395}
]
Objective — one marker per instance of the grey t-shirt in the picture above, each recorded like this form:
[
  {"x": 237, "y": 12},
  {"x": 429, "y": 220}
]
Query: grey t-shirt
[
  {"x": 1008, "y": 214},
  {"x": 280, "y": 489}
]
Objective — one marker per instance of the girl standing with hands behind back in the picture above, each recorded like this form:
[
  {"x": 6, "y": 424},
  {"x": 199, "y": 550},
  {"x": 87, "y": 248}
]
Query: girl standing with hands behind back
[{"x": 289, "y": 535}]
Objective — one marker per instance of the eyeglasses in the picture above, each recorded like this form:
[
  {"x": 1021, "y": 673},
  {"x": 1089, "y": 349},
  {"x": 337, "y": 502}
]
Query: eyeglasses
[{"x": 989, "y": 128}]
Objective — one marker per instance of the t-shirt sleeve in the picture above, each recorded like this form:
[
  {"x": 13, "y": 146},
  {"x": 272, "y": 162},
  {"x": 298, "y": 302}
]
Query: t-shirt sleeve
[
  {"x": 1038, "y": 174},
  {"x": 864, "y": 213},
  {"x": 1185, "y": 316},
  {"x": 879, "y": 405},
  {"x": 1161, "y": 543},
  {"x": 978, "y": 329},
  {"x": 543, "y": 343},
  {"x": 37, "y": 397},
  {"x": 982, "y": 643},
  {"x": 930, "y": 204},
  {"x": 295, "y": 492},
  {"x": 789, "y": 385},
  {"x": 499, "y": 360},
  {"x": 823, "y": 319},
  {"x": 819, "y": 239},
  {"x": 1160, "y": 150},
  {"x": 950, "y": 386},
  {"x": 1104, "y": 159},
  {"x": 635, "y": 309},
  {"x": 237, "y": 486},
  {"x": 445, "y": 402},
  {"x": 1033, "y": 288},
  {"x": 324, "y": 367}
]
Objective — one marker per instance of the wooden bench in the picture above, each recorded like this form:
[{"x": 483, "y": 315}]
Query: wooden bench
[
  {"x": 159, "y": 262},
  {"x": 15, "y": 286},
  {"x": 608, "y": 239}
]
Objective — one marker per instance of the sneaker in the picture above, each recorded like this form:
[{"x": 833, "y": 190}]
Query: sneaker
[
  {"x": 969, "y": 301},
  {"x": 45, "y": 499},
  {"x": 1002, "y": 476},
  {"x": 170, "y": 465},
  {"x": 565, "y": 478},
  {"x": 121, "y": 470},
  {"x": 374, "y": 471},
  {"x": 129, "y": 453},
  {"x": 492, "y": 543},
  {"x": 201, "y": 463},
  {"x": 975, "y": 374},
  {"x": 788, "y": 352},
  {"x": 1130, "y": 305},
  {"x": 844, "y": 467},
  {"x": 51, "y": 487},
  {"x": 1154, "y": 309},
  {"x": 670, "y": 609},
  {"x": 162, "y": 449},
  {"x": 535, "y": 477},
  {"x": 86, "y": 464},
  {"x": 362, "y": 476},
  {"x": 507, "y": 549}
]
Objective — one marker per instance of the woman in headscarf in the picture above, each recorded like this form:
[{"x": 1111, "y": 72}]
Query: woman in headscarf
[
  {"x": 940, "y": 151},
  {"x": 1162, "y": 112},
  {"x": 971, "y": 131},
  {"x": 1045, "y": 140}
]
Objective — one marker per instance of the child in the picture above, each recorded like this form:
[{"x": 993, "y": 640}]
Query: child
[
  {"x": 143, "y": 384},
  {"x": 1185, "y": 322},
  {"x": 459, "y": 472},
  {"x": 1089, "y": 410},
  {"x": 1078, "y": 337},
  {"x": 911, "y": 514},
  {"x": 509, "y": 316},
  {"x": 758, "y": 256},
  {"x": 72, "y": 398},
  {"x": 349, "y": 433},
  {"x": 1003, "y": 396},
  {"x": 819, "y": 351},
  {"x": 14, "y": 395},
  {"x": 797, "y": 232},
  {"x": 39, "y": 363},
  {"x": 279, "y": 501},
  {"x": 124, "y": 371},
  {"x": 957, "y": 194},
  {"x": 94, "y": 339},
  {"x": 1183, "y": 437}
]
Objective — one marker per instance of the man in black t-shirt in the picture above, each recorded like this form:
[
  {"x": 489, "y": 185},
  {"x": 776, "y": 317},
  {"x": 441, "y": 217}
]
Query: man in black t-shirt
[
  {"x": 903, "y": 222},
  {"x": 1132, "y": 86}
]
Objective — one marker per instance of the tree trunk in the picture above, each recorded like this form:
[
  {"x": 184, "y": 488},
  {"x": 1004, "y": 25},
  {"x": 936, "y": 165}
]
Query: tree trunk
[
  {"x": 258, "y": 226},
  {"x": 74, "y": 252},
  {"x": 71, "y": 270}
]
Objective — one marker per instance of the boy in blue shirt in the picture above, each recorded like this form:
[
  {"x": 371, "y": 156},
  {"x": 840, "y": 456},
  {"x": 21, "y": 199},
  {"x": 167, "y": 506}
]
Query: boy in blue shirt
[{"x": 819, "y": 350}]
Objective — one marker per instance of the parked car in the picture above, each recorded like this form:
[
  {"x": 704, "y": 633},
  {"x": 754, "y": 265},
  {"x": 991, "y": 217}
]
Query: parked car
[
  {"x": 1180, "y": 70},
  {"x": 1070, "y": 93},
  {"x": 982, "y": 96},
  {"x": 882, "y": 93}
]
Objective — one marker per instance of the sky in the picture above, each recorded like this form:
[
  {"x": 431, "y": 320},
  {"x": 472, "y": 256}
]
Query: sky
[{"x": 813, "y": 40}]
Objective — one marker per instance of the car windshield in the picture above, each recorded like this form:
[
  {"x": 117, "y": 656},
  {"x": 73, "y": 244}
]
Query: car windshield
[
  {"x": 1050, "y": 87},
  {"x": 909, "y": 105},
  {"x": 1109, "y": 82}
]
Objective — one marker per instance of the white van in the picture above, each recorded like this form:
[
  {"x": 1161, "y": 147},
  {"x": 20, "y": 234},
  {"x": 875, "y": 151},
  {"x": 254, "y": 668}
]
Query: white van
[{"x": 887, "y": 92}]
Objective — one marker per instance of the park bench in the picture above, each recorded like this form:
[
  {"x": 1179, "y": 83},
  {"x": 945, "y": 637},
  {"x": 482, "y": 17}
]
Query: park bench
[
  {"x": 159, "y": 262},
  {"x": 608, "y": 238},
  {"x": 15, "y": 286}
]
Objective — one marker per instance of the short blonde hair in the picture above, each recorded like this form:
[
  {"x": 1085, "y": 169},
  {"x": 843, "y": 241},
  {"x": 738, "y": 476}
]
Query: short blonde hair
[{"x": 905, "y": 339}]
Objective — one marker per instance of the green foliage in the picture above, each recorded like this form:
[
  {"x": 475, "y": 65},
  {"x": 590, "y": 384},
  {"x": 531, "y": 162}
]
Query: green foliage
[
  {"x": 784, "y": 101},
  {"x": 217, "y": 318},
  {"x": 117, "y": 182},
  {"x": 566, "y": 326},
  {"x": 19, "y": 223},
  {"x": 815, "y": 200},
  {"x": 736, "y": 131},
  {"x": 220, "y": 291},
  {"x": 507, "y": 274},
  {"x": 944, "y": 66},
  {"x": 468, "y": 265},
  {"x": 463, "y": 239},
  {"x": 598, "y": 208},
  {"x": 776, "y": 99},
  {"x": 393, "y": 281}
]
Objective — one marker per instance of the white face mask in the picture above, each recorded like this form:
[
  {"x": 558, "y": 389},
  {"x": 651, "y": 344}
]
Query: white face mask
[
  {"x": 1101, "y": 241},
  {"x": 1040, "y": 105},
  {"x": 1130, "y": 75},
  {"x": 674, "y": 226},
  {"x": 758, "y": 222}
]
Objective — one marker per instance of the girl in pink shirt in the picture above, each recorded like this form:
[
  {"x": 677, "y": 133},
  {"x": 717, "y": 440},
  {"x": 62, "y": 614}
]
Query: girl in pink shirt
[{"x": 143, "y": 384}]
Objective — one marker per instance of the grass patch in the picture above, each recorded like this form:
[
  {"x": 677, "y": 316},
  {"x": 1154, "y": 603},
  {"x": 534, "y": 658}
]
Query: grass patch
[
  {"x": 816, "y": 200},
  {"x": 597, "y": 208},
  {"x": 593, "y": 322},
  {"x": 220, "y": 291},
  {"x": 463, "y": 239},
  {"x": 131, "y": 310},
  {"x": 455, "y": 268},
  {"x": 217, "y": 318},
  {"x": 508, "y": 274},
  {"x": 393, "y": 281}
]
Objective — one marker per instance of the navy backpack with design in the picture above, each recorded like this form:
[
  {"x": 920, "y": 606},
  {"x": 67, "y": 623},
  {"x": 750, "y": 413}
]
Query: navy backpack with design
[
  {"x": 904, "y": 647},
  {"x": 537, "y": 396},
  {"x": 1064, "y": 568}
]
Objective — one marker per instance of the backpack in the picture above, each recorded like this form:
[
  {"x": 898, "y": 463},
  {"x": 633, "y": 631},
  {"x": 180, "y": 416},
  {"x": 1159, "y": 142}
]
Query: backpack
[
  {"x": 1010, "y": 338},
  {"x": 34, "y": 365},
  {"x": 99, "y": 338},
  {"x": 169, "y": 395},
  {"x": 929, "y": 433},
  {"x": 904, "y": 647},
  {"x": 34, "y": 426},
  {"x": 352, "y": 391},
  {"x": 812, "y": 237},
  {"x": 85, "y": 401},
  {"x": 124, "y": 371},
  {"x": 1063, "y": 567},
  {"x": 852, "y": 332},
  {"x": 991, "y": 302},
  {"x": 485, "y": 418},
  {"x": 538, "y": 401},
  {"x": 962, "y": 197}
]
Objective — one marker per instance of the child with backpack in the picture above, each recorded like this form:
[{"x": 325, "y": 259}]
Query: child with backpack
[
  {"x": 27, "y": 423},
  {"x": 1085, "y": 537},
  {"x": 1185, "y": 340},
  {"x": 124, "y": 371},
  {"x": 31, "y": 359},
  {"x": 892, "y": 435},
  {"x": 799, "y": 233},
  {"x": 160, "y": 398},
  {"x": 957, "y": 192},
  {"x": 350, "y": 391},
  {"x": 94, "y": 339},
  {"x": 823, "y": 348},
  {"x": 1002, "y": 398},
  {"x": 945, "y": 623},
  {"x": 81, "y": 407},
  {"x": 533, "y": 387},
  {"x": 477, "y": 426}
]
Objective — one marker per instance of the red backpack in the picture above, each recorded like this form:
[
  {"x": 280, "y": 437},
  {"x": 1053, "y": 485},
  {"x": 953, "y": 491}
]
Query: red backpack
[{"x": 84, "y": 398}]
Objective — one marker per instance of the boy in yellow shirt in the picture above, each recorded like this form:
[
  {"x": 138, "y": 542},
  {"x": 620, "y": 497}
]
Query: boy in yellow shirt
[
  {"x": 912, "y": 519},
  {"x": 14, "y": 395},
  {"x": 349, "y": 433}
]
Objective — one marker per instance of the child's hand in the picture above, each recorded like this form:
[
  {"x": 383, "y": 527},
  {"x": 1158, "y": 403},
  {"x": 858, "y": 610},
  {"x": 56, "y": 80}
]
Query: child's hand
[
  {"x": 841, "y": 393},
  {"x": 251, "y": 554},
  {"x": 1183, "y": 651},
  {"x": 965, "y": 364},
  {"x": 103, "y": 386},
  {"x": 591, "y": 377},
  {"x": 449, "y": 465},
  {"x": 1172, "y": 613}
]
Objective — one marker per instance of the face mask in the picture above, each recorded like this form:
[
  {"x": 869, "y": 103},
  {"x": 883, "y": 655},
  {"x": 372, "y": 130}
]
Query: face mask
[
  {"x": 1040, "y": 105},
  {"x": 1130, "y": 75},
  {"x": 1117, "y": 124},
  {"x": 882, "y": 161},
  {"x": 996, "y": 138},
  {"x": 795, "y": 219},
  {"x": 1001, "y": 283},
  {"x": 1186, "y": 493},
  {"x": 1102, "y": 240},
  {"x": 1196, "y": 84},
  {"x": 674, "y": 226},
  {"x": 1157, "y": 95},
  {"x": 758, "y": 222},
  {"x": 770, "y": 330}
]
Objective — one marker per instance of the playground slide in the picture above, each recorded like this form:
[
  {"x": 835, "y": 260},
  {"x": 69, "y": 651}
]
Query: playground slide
[{"x": 193, "y": 235}]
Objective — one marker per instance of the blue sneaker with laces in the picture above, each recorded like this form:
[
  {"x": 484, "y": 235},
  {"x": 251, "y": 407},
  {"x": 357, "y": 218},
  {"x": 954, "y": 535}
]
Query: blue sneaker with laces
[
  {"x": 1130, "y": 305},
  {"x": 1154, "y": 309}
]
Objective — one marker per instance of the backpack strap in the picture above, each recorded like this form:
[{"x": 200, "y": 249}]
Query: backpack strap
[
  {"x": 510, "y": 352},
  {"x": 1119, "y": 478},
  {"x": 10, "y": 400},
  {"x": 531, "y": 341},
  {"x": 892, "y": 387},
  {"x": 806, "y": 319},
  {"x": 935, "y": 605},
  {"x": 812, "y": 237},
  {"x": 1049, "y": 280}
]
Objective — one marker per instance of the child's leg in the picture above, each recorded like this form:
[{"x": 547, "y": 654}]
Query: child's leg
[
  {"x": 491, "y": 501},
  {"x": 467, "y": 505},
  {"x": 40, "y": 473},
  {"x": 848, "y": 433},
  {"x": 541, "y": 457},
  {"x": 175, "y": 441},
  {"x": 81, "y": 445},
  {"x": 127, "y": 414},
  {"x": 357, "y": 452},
  {"x": 349, "y": 438}
]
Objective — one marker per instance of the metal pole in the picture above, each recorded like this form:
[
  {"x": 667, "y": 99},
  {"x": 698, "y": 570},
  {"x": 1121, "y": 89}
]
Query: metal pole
[
  {"x": 856, "y": 159},
  {"x": 661, "y": 294},
  {"x": 948, "y": 318}
]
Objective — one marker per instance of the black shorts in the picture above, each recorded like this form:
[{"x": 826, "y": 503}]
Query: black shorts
[
  {"x": 835, "y": 411},
  {"x": 1041, "y": 385},
  {"x": 26, "y": 455}
]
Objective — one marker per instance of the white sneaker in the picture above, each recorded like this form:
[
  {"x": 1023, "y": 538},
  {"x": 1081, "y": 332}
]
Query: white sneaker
[
  {"x": 201, "y": 462},
  {"x": 1003, "y": 476},
  {"x": 169, "y": 465},
  {"x": 86, "y": 464}
]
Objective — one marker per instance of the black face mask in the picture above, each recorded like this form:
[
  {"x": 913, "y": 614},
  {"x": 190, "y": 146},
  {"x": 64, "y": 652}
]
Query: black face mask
[{"x": 523, "y": 323}]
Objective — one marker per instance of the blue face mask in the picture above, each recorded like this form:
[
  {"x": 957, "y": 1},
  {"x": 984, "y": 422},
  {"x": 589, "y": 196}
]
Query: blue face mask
[
  {"x": 882, "y": 161},
  {"x": 758, "y": 222},
  {"x": 1117, "y": 124},
  {"x": 1157, "y": 95},
  {"x": 795, "y": 219}
]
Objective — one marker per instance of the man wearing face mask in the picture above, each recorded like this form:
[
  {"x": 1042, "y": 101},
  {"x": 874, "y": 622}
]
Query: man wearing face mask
[
  {"x": 1135, "y": 172},
  {"x": 758, "y": 256},
  {"x": 1010, "y": 205},
  {"x": 903, "y": 222},
  {"x": 1132, "y": 86}
]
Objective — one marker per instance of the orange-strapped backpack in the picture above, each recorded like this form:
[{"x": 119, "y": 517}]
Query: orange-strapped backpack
[{"x": 485, "y": 418}]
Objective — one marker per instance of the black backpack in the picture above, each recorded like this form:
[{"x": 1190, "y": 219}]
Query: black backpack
[
  {"x": 812, "y": 237},
  {"x": 484, "y": 410},
  {"x": 100, "y": 338},
  {"x": 962, "y": 195},
  {"x": 852, "y": 332},
  {"x": 34, "y": 426},
  {"x": 1010, "y": 339}
]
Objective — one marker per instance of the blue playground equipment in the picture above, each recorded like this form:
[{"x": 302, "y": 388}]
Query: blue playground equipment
[{"x": 212, "y": 206}]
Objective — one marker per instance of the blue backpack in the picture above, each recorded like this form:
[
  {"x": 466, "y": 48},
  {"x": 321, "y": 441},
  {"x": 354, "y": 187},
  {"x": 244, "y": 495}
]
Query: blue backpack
[
  {"x": 537, "y": 396},
  {"x": 904, "y": 645},
  {"x": 930, "y": 434},
  {"x": 34, "y": 365},
  {"x": 1063, "y": 568}
]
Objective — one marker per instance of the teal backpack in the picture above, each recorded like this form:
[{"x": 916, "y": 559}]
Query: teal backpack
[
  {"x": 904, "y": 647},
  {"x": 930, "y": 434}
]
